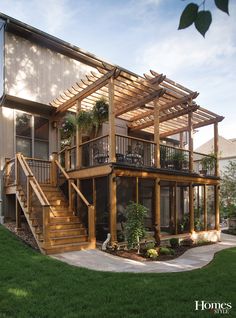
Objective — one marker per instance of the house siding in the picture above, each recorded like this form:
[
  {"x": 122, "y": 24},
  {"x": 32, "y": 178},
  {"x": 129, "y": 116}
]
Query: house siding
[{"x": 36, "y": 73}]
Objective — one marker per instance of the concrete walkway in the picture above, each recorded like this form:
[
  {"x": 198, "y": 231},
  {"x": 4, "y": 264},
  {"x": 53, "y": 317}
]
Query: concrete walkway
[{"x": 192, "y": 259}]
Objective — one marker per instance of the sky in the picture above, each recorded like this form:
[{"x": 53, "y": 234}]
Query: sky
[{"x": 141, "y": 35}]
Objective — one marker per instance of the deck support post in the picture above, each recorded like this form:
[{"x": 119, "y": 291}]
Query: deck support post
[
  {"x": 205, "y": 206},
  {"x": 216, "y": 149},
  {"x": 46, "y": 221},
  {"x": 112, "y": 136},
  {"x": 175, "y": 209},
  {"x": 18, "y": 215},
  {"x": 67, "y": 158},
  {"x": 156, "y": 134},
  {"x": 158, "y": 205},
  {"x": 113, "y": 211},
  {"x": 78, "y": 138},
  {"x": 217, "y": 207},
  {"x": 54, "y": 169},
  {"x": 190, "y": 140},
  {"x": 191, "y": 208}
]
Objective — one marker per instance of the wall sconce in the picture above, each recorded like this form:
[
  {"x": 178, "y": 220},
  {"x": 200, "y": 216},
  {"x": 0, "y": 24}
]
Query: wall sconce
[{"x": 54, "y": 124}]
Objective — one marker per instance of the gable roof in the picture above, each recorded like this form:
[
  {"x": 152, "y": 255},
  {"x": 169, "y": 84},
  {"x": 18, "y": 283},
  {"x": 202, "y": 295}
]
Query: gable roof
[{"x": 227, "y": 147}]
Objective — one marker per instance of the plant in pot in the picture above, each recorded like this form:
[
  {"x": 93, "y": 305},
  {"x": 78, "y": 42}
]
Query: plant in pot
[
  {"x": 178, "y": 158},
  {"x": 68, "y": 129},
  {"x": 207, "y": 163}
]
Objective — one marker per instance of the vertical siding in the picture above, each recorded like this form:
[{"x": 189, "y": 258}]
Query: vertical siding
[
  {"x": 7, "y": 140},
  {"x": 36, "y": 73}
]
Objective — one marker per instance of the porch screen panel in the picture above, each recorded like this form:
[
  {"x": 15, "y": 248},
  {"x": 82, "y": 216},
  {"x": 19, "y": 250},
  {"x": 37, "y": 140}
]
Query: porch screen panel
[
  {"x": 199, "y": 208},
  {"x": 211, "y": 220},
  {"x": 125, "y": 192},
  {"x": 146, "y": 198},
  {"x": 41, "y": 136},
  {"x": 182, "y": 209},
  {"x": 102, "y": 208},
  {"x": 24, "y": 133}
]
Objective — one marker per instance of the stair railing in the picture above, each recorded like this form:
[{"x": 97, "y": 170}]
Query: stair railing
[
  {"x": 35, "y": 198},
  {"x": 72, "y": 188}
]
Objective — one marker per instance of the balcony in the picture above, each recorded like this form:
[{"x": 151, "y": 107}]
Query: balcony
[{"x": 139, "y": 153}]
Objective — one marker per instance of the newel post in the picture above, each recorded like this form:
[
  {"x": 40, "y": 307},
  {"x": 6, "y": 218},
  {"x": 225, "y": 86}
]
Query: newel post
[
  {"x": 54, "y": 168},
  {"x": 67, "y": 158},
  {"x": 112, "y": 136},
  {"x": 91, "y": 224},
  {"x": 46, "y": 221}
]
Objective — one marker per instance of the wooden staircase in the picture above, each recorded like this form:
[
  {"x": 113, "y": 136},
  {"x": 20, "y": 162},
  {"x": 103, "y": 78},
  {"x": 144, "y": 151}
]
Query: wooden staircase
[{"x": 50, "y": 215}]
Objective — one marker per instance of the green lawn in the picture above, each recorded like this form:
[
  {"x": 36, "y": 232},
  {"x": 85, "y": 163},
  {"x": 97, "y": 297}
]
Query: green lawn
[{"x": 33, "y": 285}]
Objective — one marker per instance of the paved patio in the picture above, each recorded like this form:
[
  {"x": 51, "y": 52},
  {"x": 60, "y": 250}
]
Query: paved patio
[{"x": 192, "y": 259}]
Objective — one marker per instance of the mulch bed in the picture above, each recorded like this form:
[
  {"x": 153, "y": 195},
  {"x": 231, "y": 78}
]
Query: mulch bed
[
  {"x": 132, "y": 254},
  {"x": 24, "y": 234},
  {"x": 229, "y": 231}
]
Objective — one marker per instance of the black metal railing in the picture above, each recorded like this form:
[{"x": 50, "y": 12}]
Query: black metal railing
[
  {"x": 135, "y": 151},
  {"x": 41, "y": 170},
  {"x": 94, "y": 152},
  {"x": 204, "y": 164},
  {"x": 172, "y": 158}
]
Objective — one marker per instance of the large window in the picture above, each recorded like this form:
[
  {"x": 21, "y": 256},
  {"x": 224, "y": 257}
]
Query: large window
[{"x": 32, "y": 134}]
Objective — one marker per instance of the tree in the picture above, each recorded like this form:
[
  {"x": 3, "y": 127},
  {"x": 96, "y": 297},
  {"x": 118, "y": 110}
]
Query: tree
[
  {"x": 202, "y": 18},
  {"x": 228, "y": 188}
]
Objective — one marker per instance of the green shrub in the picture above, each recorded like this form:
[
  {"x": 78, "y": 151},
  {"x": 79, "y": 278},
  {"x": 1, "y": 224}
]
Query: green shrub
[
  {"x": 174, "y": 242},
  {"x": 152, "y": 253},
  {"x": 187, "y": 242},
  {"x": 148, "y": 246},
  {"x": 166, "y": 251}
]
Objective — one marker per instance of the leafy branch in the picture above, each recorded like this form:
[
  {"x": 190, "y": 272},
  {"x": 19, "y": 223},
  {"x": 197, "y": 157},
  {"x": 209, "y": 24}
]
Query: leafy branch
[{"x": 197, "y": 14}]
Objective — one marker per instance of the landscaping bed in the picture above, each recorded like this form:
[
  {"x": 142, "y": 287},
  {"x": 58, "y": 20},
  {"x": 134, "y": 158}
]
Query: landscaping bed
[
  {"x": 164, "y": 253},
  {"x": 229, "y": 231}
]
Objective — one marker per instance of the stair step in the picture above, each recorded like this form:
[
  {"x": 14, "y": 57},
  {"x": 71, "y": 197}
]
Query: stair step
[
  {"x": 68, "y": 248},
  {"x": 65, "y": 225},
  {"x": 63, "y": 219},
  {"x": 68, "y": 239},
  {"x": 67, "y": 232}
]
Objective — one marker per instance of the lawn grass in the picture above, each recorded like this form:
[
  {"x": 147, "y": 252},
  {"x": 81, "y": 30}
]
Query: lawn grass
[{"x": 36, "y": 286}]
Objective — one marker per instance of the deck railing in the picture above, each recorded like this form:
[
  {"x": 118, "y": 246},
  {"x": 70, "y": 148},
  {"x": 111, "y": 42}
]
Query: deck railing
[
  {"x": 134, "y": 151},
  {"x": 204, "y": 164},
  {"x": 94, "y": 152},
  {"x": 41, "y": 169},
  {"x": 172, "y": 158}
]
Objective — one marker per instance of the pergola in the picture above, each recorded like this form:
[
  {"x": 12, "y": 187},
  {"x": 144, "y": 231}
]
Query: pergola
[{"x": 152, "y": 103}]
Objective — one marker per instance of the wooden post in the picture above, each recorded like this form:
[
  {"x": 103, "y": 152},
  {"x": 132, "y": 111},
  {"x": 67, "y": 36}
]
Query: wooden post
[
  {"x": 217, "y": 207},
  {"x": 157, "y": 133},
  {"x": 18, "y": 215},
  {"x": 190, "y": 140},
  {"x": 113, "y": 212},
  {"x": 191, "y": 208},
  {"x": 175, "y": 209},
  {"x": 137, "y": 192},
  {"x": 205, "y": 206},
  {"x": 46, "y": 221},
  {"x": 67, "y": 158},
  {"x": 216, "y": 149},
  {"x": 78, "y": 138},
  {"x": 54, "y": 169},
  {"x": 157, "y": 211},
  {"x": 112, "y": 137},
  {"x": 181, "y": 140},
  {"x": 94, "y": 197},
  {"x": 91, "y": 224},
  {"x": 70, "y": 194}
]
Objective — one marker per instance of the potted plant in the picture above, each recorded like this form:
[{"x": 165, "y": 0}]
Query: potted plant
[
  {"x": 68, "y": 129},
  {"x": 207, "y": 163},
  {"x": 178, "y": 158}
]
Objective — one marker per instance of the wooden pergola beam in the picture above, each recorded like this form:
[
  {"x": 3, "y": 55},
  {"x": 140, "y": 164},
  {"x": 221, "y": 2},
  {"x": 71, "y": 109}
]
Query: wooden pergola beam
[
  {"x": 141, "y": 102},
  {"x": 195, "y": 126},
  {"x": 96, "y": 85},
  {"x": 166, "y": 117}
]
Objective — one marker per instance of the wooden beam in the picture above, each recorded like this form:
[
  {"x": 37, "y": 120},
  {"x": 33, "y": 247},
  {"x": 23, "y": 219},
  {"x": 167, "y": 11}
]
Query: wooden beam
[
  {"x": 217, "y": 207},
  {"x": 168, "y": 105},
  {"x": 205, "y": 206},
  {"x": 165, "y": 118},
  {"x": 102, "y": 81},
  {"x": 140, "y": 102},
  {"x": 78, "y": 138},
  {"x": 112, "y": 140},
  {"x": 157, "y": 211},
  {"x": 195, "y": 126}
]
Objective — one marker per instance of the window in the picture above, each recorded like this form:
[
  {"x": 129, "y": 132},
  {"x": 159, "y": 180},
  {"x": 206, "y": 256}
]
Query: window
[{"x": 32, "y": 135}]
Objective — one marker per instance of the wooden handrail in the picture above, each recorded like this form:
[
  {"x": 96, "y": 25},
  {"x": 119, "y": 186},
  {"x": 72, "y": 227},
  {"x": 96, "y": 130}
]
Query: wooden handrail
[
  {"x": 135, "y": 138},
  {"x": 62, "y": 169},
  {"x": 80, "y": 194},
  {"x": 36, "y": 159},
  {"x": 91, "y": 140}
]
